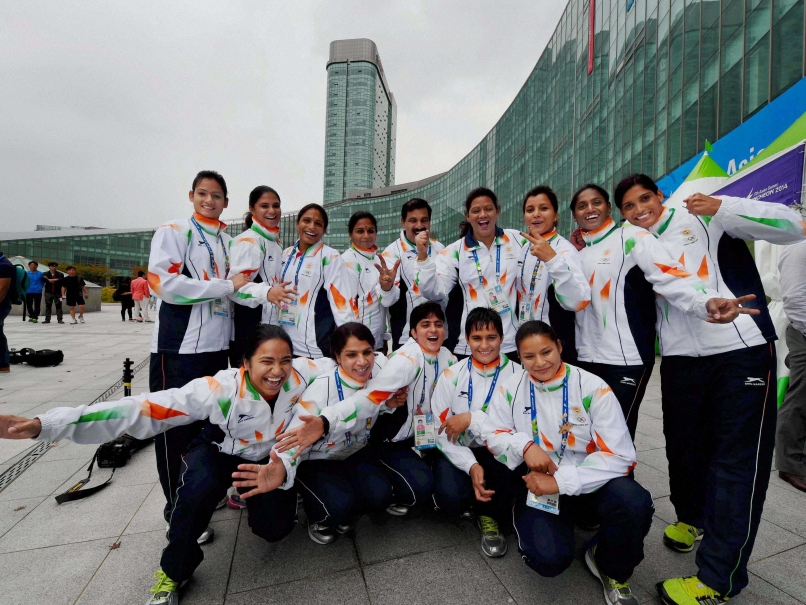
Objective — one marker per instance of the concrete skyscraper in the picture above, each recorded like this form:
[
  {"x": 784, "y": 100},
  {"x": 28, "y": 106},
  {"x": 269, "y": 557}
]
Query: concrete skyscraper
[{"x": 361, "y": 117}]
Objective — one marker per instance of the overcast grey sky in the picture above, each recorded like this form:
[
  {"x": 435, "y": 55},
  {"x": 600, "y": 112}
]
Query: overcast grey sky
[{"x": 108, "y": 109}]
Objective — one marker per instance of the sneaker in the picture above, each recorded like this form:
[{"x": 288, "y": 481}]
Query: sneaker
[
  {"x": 165, "y": 591},
  {"x": 235, "y": 502},
  {"x": 344, "y": 529},
  {"x": 493, "y": 544},
  {"x": 682, "y": 536},
  {"x": 688, "y": 591},
  {"x": 320, "y": 534},
  {"x": 35, "y": 320},
  {"x": 615, "y": 593},
  {"x": 31, "y": 320},
  {"x": 207, "y": 536},
  {"x": 61, "y": 321},
  {"x": 398, "y": 510},
  {"x": 47, "y": 321},
  {"x": 72, "y": 323},
  {"x": 81, "y": 318}
]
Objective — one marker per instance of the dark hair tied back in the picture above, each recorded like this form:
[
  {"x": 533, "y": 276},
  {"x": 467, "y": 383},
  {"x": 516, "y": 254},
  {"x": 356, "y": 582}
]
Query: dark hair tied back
[
  {"x": 476, "y": 193},
  {"x": 210, "y": 174},
  {"x": 357, "y": 216},
  {"x": 595, "y": 187},
  {"x": 534, "y": 328},
  {"x": 542, "y": 190},
  {"x": 262, "y": 333},
  {"x": 257, "y": 193},
  {"x": 340, "y": 336},
  {"x": 631, "y": 181},
  {"x": 322, "y": 212}
]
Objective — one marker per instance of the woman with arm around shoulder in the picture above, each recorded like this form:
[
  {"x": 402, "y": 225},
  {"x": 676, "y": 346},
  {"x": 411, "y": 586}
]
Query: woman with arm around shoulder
[
  {"x": 261, "y": 392},
  {"x": 552, "y": 287},
  {"x": 560, "y": 435},
  {"x": 373, "y": 281},
  {"x": 320, "y": 287},
  {"x": 485, "y": 262},
  {"x": 465, "y": 472},
  {"x": 717, "y": 381}
]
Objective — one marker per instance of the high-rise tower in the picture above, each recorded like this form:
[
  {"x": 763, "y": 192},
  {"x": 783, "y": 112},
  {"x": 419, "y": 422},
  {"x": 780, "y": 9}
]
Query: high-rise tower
[{"x": 361, "y": 117}]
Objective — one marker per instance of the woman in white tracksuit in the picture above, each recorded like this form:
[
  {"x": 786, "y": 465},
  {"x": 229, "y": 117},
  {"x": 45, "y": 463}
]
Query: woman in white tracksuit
[
  {"x": 552, "y": 287},
  {"x": 243, "y": 411},
  {"x": 257, "y": 253},
  {"x": 486, "y": 262},
  {"x": 322, "y": 297},
  {"x": 373, "y": 282}
]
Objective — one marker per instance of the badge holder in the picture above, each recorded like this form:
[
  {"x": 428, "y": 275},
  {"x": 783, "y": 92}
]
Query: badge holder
[
  {"x": 221, "y": 307},
  {"x": 424, "y": 433},
  {"x": 288, "y": 313},
  {"x": 549, "y": 503},
  {"x": 497, "y": 299}
]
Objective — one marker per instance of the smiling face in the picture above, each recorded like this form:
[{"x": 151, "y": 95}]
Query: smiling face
[
  {"x": 429, "y": 334},
  {"x": 357, "y": 359},
  {"x": 540, "y": 356},
  {"x": 269, "y": 367},
  {"x": 267, "y": 210},
  {"x": 539, "y": 215},
  {"x": 482, "y": 216},
  {"x": 208, "y": 199},
  {"x": 415, "y": 222},
  {"x": 590, "y": 210},
  {"x": 364, "y": 234},
  {"x": 485, "y": 344},
  {"x": 311, "y": 227},
  {"x": 641, "y": 206}
]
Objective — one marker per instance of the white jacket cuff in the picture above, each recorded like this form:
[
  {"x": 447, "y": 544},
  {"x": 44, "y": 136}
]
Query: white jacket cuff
[
  {"x": 568, "y": 480},
  {"x": 477, "y": 419},
  {"x": 47, "y": 428}
]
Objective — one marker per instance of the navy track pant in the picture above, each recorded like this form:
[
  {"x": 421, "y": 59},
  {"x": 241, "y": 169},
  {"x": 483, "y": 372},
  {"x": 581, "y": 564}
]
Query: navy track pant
[
  {"x": 410, "y": 475},
  {"x": 719, "y": 414}
]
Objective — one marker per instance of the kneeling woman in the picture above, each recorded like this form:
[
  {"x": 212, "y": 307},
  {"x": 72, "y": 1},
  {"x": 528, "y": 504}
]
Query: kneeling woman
[
  {"x": 261, "y": 391},
  {"x": 338, "y": 477},
  {"x": 577, "y": 472},
  {"x": 466, "y": 472}
]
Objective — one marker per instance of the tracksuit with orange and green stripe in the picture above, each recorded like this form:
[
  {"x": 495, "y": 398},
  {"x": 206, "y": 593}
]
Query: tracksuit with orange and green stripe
[{"x": 718, "y": 383}]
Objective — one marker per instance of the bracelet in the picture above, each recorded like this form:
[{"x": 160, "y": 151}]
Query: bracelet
[{"x": 528, "y": 445}]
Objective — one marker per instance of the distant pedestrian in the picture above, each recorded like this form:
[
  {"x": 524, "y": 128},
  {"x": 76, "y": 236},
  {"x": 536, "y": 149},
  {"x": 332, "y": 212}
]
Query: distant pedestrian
[
  {"x": 74, "y": 289},
  {"x": 790, "y": 439},
  {"x": 141, "y": 296},
  {"x": 53, "y": 291},
  {"x": 33, "y": 298},
  {"x": 123, "y": 295},
  {"x": 7, "y": 276}
]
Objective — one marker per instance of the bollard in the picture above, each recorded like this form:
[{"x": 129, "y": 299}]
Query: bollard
[{"x": 127, "y": 377}]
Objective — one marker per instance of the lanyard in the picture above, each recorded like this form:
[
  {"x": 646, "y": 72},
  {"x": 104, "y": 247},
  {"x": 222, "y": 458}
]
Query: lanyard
[
  {"x": 535, "y": 435},
  {"x": 534, "y": 275},
  {"x": 213, "y": 269},
  {"x": 299, "y": 266},
  {"x": 422, "y": 395},
  {"x": 349, "y": 434},
  {"x": 470, "y": 386},
  {"x": 497, "y": 265}
]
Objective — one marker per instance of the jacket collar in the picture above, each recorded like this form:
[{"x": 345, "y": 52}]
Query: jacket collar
[
  {"x": 471, "y": 243},
  {"x": 597, "y": 235},
  {"x": 209, "y": 225},
  {"x": 264, "y": 231}
]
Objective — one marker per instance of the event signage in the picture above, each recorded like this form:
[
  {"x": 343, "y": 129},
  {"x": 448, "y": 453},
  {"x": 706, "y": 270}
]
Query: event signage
[{"x": 778, "y": 180}]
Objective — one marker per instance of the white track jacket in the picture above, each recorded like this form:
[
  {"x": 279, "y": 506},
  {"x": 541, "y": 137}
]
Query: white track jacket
[
  {"x": 187, "y": 282},
  {"x": 257, "y": 253},
  {"x": 371, "y": 301},
  {"x": 599, "y": 445}
]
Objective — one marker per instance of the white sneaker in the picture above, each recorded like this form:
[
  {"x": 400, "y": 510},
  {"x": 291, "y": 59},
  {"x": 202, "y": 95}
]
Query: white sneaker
[
  {"x": 81, "y": 319},
  {"x": 74, "y": 322}
]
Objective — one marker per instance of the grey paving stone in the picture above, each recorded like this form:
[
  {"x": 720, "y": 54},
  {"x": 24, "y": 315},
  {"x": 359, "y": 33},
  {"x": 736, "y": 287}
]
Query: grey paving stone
[
  {"x": 660, "y": 562},
  {"x": 778, "y": 482},
  {"x": 652, "y": 408},
  {"x": 103, "y": 515},
  {"x": 645, "y": 442},
  {"x": 772, "y": 540},
  {"x": 11, "y": 448},
  {"x": 41, "y": 479},
  {"x": 67, "y": 450},
  {"x": 14, "y": 511},
  {"x": 68, "y": 569},
  {"x": 785, "y": 508},
  {"x": 651, "y": 426},
  {"x": 447, "y": 576},
  {"x": 664, "y": 511},
  {"x": 381, "y": 537},
  {"x": 257, "y": 563},
  {"x": 655, "y": 481},
  {"x": 655, "y": 458},
  {"x": 343, "y": 588},
  {"x": 127, "y": 572},
  {"x": 786, "y": 571}
]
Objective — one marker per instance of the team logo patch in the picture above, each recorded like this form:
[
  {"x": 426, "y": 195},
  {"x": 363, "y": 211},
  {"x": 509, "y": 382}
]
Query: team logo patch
[
  {"x": 628, "y": 381},
  {"x": 686, "y": 232},
  {"x": 577, "y": 410},
  {"x": 294, "y": 399},
  {"x": 244, "y": 418},
  {"x": 754, "y": 382}
]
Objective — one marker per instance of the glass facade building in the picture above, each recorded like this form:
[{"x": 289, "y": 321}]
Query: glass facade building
[
  {"x": 622, "y": 86},
  {"x": 361, "y": 117}
]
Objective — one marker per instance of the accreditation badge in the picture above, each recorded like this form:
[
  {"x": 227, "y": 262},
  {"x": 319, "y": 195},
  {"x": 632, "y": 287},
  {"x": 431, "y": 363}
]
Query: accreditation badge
[
  {"x": 424, "y": 433},
  {"x": 526, "y": 311},
  {"x": 497, "y": 299},
  {"x": 549, "y": 503},
  {"x": 221, "y": 307},
  {"x": 288, "y": 313}
]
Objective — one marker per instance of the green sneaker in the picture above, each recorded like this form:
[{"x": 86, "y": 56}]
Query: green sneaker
[
  {"x": 682, "y": 536},
  {"x": 493, "y": 544},
  {"x": 165, "y": 591},
  {"x": 615, "y": 593},
  {"x": 688, "y": 591}
]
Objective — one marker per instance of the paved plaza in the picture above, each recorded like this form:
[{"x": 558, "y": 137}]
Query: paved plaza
[{"x": 104, "y": 549}]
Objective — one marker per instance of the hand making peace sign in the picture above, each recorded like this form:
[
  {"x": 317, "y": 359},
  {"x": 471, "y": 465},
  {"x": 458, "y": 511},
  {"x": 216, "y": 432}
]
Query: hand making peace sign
[
  {"x": 540, "y": 247},
  {"x": 387, "y": 275}
]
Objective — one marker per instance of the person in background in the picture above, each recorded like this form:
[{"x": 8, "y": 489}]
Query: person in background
[
  {"x": 7, "y": 277},
  {"x": 415, "y": 218},
  {"x": 373, "y": 281},
  {"x": 123, "y": 295},
  {"x": 53, "y": 291},
  {"x": 74, "y": 290},
  {"x": 140, "y": 296},
  {"x": 790, "y": 438},
  {"x": 188, "y": 269},
  {"x": 33, "y": 297}
]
